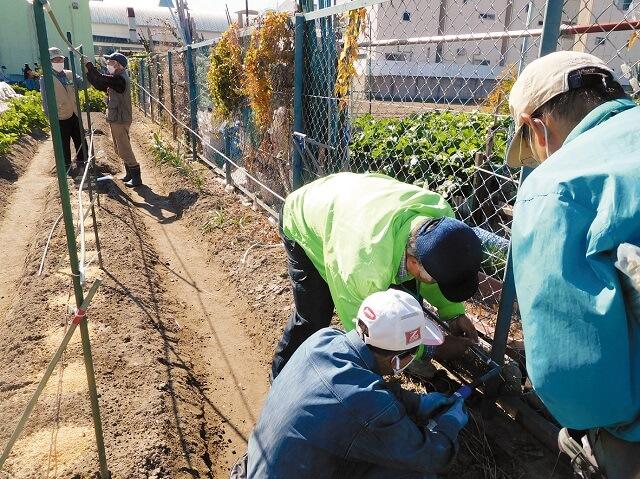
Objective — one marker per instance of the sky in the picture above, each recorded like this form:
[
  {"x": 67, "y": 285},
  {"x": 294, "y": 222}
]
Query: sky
[{"x": 208, "y": 5}]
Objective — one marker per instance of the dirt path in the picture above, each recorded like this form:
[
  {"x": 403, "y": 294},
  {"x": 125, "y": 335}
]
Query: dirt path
[
  {"x": 18, "y": 225},
  {"x": 232, "y": 388}
]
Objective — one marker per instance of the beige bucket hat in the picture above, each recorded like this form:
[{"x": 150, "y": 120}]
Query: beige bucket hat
[{"x": 543, "y": 79}]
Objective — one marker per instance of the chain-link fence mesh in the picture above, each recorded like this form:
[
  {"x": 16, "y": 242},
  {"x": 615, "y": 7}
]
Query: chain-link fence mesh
[{"x": 428, "y": 104}]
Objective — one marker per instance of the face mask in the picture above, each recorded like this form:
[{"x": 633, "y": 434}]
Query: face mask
[
  {"x": 111, "y": 69},
  {"x": 396, "y": 361},
  {"x": 546, "y": 141},
  {"x": 57, "y": 67}
]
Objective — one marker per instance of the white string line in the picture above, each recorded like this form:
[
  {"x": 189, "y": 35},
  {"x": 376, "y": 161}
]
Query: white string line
[
  {"x": 81, "y": 214},
  {"x": 46, "y": 247},
  {"x": 226, "y": 158}
]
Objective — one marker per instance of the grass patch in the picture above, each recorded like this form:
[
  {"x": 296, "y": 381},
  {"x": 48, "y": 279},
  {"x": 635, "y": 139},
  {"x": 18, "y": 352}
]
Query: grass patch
[{"x": 165, "y": 155}]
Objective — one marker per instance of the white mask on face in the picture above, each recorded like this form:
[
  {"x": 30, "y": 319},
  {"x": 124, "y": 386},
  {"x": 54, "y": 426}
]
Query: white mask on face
[
  {"x": 111, "y": 69},
  {"x": 395, "y": 364},
  {"x": 57, "y": 67}
]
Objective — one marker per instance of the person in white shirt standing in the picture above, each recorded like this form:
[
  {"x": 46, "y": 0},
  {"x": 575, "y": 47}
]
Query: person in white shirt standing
[{"x": 65, "y": 90}]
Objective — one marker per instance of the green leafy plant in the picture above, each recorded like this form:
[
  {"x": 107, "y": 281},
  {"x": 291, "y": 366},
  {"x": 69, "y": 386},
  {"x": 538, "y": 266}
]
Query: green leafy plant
[
  {"x": 165, "y": 155},
  {"x": 225, "y": 73},
  {"x": 97, "y": 100},
  {"x": 218, "y": 219},
  {"x": 23, "y": 116},
  {"x": 19, "y": 89},
  {"x": 434, "y": 149},
  {"x": 268, "y": 64},
  {"x": 494, "y": 261}
]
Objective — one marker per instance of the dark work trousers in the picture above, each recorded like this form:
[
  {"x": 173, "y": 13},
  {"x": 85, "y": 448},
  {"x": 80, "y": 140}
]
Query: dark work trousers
[
  {"x": 70, "y": 130},
  {"x": 313, "y": 304},
  {"x": 616, "y": 458}
]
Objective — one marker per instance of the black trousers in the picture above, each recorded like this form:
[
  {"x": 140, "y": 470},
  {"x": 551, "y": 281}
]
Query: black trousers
[
  {"x": 70, "y": 130},
  {"x": 313, "y": 304}
]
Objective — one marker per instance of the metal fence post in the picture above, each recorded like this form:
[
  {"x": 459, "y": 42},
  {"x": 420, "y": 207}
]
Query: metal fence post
[
  {"x": 72, "y": 64},
  {"x": 43, "y": 43},
  {"x": 144, "y": 93},
  {"x": 89, "y": 156},
  {"x": 551, "y": 27},
  {"x": 298, "y": 87},
  {"x": 160, "y": 83},
  {"x": 227, "y": 151},
  {"x": 548, "y": 44},
  {"x": 174, "y": 126},
  {"x": 193, "y": 102},
  {"x": 149, "y": 74}
]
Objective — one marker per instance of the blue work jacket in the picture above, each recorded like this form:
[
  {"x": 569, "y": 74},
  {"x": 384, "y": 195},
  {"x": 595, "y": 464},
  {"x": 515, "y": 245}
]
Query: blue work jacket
[
  {"x": 571, "y": 214},
  {"x": 329, "y": 414}
]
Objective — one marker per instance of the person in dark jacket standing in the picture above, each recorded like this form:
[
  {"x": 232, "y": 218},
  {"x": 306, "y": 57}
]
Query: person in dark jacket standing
[
  {"x": 64, "y": 86},
  {"x": 119, "y": 111}
]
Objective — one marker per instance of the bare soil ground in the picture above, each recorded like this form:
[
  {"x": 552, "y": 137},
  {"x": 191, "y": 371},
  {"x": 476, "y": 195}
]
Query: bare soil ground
[{"x": 194, "y": 297}]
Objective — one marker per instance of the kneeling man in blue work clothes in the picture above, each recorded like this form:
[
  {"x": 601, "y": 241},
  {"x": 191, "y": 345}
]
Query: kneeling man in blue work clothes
[
  {"x": 577, "y": 126},
  {"x": 330, "y": 413}
]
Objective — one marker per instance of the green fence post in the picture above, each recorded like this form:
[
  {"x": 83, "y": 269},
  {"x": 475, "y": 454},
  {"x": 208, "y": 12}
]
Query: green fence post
[
  {"x": 298, "y": 91},
  {"x": 43, "y": 44},
  {"x": 174, "y": 125},
  {"x": 193, "y": 102},
  {"x": 144, "y": 93},
  {"x": 149, "y": 74},
  {"x": 551, "y": 27},
  {"x": 548, "y": 44},
  {"x": 88, "y": 155}
]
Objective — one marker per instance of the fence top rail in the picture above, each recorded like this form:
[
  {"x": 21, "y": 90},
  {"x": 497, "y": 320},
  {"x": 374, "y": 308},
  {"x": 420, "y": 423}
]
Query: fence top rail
[
  {"x": 342, "y": 8},
  {"x": 505, "y": 34},
  {"x": 242, "y": 32}
]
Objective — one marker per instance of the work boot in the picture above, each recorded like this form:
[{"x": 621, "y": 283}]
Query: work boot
[
  {"x": 127, "y": 176},
  {"x": 135, "y": 177}
]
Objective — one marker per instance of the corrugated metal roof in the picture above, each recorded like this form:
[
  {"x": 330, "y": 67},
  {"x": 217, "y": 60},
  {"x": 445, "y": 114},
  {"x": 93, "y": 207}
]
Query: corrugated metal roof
[{"x": 105, "y": 14}]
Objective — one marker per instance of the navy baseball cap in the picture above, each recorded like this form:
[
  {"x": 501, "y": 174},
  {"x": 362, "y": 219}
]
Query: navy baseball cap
[
  {"x": 451, "y": 253},
  {"x": 119, "y": 57}
]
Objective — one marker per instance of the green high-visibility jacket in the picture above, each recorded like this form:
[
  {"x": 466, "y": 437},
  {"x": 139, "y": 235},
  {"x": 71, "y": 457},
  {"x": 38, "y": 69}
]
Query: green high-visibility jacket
[{"x": 354, "y": 228}]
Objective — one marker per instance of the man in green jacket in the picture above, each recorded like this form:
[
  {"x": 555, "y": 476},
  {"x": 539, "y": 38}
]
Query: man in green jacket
[{"x": 350, "y": 235}]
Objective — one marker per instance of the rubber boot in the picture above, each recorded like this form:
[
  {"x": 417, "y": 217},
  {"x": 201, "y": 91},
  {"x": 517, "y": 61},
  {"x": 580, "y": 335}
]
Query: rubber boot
[
  {"x": 127, "y": 176},
  {"x": 135, "y": 177}
]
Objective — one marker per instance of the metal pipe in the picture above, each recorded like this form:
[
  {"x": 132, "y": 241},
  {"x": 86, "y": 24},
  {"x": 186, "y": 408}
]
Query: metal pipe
[
  {"x": 72, "y": 63},
  {"x": 525, "y": 40},
  {"x": 193, "y": 105},
  {"x": 552, "y": 26},
  {"x": 174, "y": 126},
  {"x": 535, "y": 32},
  {"x": 43, "y": 43},
  {"x": 47, "y": 374},
  {"x": 151, "y": 108},
  {"x": 298, "y": 105},
  {"x": 92, "y": 163}
]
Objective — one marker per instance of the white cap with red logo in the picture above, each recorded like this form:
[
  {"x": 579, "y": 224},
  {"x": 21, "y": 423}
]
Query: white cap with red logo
[{"x": 394, "y": 320}]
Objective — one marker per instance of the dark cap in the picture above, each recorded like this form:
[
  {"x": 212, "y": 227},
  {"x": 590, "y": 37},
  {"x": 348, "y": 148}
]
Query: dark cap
[
  {"x": 119, "y": 57},
  {"x": 451, "y": 253}
]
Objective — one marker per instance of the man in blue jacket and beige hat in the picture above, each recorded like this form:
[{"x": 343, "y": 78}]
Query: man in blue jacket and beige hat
[{"x": 575, "y": 124}]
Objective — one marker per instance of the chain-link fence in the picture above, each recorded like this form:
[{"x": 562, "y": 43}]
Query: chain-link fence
[{"x": 427, "y": 103}]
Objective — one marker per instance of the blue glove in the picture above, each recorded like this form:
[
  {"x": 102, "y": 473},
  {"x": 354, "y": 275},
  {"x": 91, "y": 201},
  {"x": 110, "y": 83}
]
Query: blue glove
[
  {"x": 453, "y": 420},
  {"x": 430, "y": 403}
]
